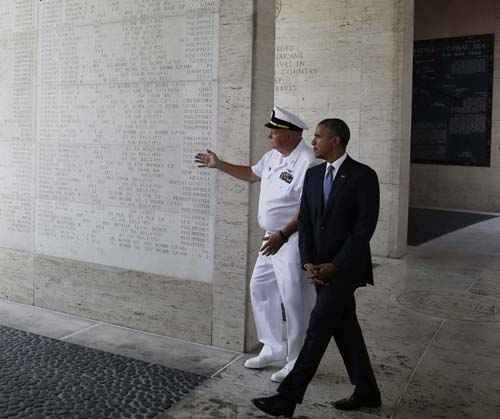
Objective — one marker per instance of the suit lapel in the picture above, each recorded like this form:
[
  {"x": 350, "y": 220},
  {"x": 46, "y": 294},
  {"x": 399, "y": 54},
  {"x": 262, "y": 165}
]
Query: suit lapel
[{"x": 339, "y": 183}]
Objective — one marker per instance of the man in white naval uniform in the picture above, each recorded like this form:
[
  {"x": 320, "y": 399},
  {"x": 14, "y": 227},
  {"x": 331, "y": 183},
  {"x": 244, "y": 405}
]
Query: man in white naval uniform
[{"x": 277, "y": 276}]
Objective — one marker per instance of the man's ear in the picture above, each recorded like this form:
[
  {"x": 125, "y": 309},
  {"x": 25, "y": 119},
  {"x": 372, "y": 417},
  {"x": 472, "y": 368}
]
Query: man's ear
[{"x": 337, "y": 140}]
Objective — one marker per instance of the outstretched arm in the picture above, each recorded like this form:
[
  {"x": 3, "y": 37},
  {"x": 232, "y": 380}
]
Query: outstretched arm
[{"x": 210, "y": 160}]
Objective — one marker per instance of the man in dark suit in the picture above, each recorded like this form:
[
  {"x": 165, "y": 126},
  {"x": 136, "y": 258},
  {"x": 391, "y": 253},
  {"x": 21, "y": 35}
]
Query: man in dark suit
[{"x": 338, "y": 214}]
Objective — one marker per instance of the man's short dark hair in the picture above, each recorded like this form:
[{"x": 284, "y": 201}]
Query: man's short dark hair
[{"x": 337, "y": 127}]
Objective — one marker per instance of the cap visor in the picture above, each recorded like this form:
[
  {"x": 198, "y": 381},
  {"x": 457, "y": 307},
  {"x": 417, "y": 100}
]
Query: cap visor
[{"x": 275, "y": 126}]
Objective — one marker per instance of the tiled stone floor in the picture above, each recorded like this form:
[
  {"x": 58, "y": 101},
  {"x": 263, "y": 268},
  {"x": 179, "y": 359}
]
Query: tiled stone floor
[{"x": 431, "y": 324}]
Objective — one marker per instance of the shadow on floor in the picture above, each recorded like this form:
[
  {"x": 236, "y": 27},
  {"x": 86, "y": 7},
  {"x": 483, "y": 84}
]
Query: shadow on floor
[{"x": 427, "y": 224}]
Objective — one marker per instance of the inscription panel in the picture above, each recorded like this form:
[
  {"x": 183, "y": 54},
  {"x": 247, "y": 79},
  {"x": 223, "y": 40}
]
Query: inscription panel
[
  {"x": 109, "y": 100},
  {"x": 17, "y": 129},
  {"x": 452, "y": 100},
  {"x": 127, "y": 94},
  {"x": 291, "y": 67}
]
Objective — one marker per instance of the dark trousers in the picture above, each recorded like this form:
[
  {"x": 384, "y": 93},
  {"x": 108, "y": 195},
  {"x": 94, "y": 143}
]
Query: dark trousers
[{"x": 333, "y": 315}]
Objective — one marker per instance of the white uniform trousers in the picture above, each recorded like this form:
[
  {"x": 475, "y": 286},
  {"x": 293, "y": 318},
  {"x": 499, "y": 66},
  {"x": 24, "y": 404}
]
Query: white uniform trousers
[{"x": 275, "y": 279}]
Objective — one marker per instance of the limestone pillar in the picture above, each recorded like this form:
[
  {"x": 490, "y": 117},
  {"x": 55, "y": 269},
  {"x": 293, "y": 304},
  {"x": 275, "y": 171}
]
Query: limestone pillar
[{"x": 352, "y": 59}]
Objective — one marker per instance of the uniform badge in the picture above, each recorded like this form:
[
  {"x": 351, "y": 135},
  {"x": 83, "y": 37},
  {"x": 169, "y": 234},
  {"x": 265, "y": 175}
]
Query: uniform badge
[{"x": 286, "y": 177}]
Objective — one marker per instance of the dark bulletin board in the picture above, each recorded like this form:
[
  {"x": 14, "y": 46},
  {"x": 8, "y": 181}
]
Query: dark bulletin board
[{"x": 452, "y": 99}]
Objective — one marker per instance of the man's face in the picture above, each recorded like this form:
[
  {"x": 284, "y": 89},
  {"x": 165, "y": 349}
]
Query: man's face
[
  {"x": 323, "y": 142},
  {"x": 279, "y": 139}
]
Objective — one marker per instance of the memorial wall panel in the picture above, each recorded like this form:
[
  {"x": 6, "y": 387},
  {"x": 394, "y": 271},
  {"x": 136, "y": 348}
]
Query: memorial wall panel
[
  {"x": 17, "y": 129},
  {"x": 126, "y": 93},
  {"x": 103, "y": 214}
]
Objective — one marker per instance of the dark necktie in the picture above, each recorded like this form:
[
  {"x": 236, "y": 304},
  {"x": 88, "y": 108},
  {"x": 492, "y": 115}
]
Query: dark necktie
[{"x": 327, "y": 183}]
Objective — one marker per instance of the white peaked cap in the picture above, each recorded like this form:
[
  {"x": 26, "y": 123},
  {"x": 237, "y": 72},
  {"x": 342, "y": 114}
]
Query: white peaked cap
[{"x": 284, "y": 119}]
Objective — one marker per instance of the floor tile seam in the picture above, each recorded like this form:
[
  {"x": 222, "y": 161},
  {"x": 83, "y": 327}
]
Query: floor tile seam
[
  {"x": 136, "y": 331},
  {"x": 92, "y": 346},
  {"x": 77, "y": 332},
  {"x": 223, "y": 368},
  {"x": 417, "y": 365},
  {"x": 166, "y": 337}
]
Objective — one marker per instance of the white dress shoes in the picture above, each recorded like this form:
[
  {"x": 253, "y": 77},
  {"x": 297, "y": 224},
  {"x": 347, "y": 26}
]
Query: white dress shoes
[
  {"x": 280, "y": 375},
  {"x": 262, "y": 361}
]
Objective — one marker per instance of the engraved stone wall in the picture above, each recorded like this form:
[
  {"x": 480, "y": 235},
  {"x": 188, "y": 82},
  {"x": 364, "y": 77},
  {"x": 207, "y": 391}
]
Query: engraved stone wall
[
  {"x": 18, "y": 34},
  {"x": 104, "y": 104},
  {"x": 127, "y": 93}
]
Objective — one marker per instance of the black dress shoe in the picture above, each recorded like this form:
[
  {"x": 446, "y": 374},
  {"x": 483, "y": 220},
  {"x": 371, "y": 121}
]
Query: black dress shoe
[
  {"x": 357, "y": 401},
  {"x": 275, "y": 405}
]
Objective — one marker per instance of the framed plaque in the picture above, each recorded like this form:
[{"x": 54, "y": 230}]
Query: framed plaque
[{"x": 452, "y": 100}]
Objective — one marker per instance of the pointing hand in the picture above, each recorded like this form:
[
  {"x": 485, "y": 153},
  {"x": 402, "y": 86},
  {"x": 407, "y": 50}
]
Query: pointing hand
[{"x": 208, "y": 159}]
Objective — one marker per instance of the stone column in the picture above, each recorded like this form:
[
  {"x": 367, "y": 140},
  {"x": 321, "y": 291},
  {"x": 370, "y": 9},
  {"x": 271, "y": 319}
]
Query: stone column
[
  {"x": 246, "y": 71},
  {"x": 352, "y": 59}
]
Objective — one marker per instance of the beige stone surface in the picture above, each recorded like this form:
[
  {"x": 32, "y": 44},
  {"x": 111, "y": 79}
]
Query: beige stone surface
[
  {"x": 352, "y": 60},
  {"x": 40, "y": 321},
  {"x": 217, "y": 312},
  {"x": 262, "y": 103},
  {"x": 246, "y": 45},
  {"x": 428, "y": 365},
  {"x": 16, "y": 273},
  {"x": 153, "y": 303},
  {"x": 172, "y": 353}
]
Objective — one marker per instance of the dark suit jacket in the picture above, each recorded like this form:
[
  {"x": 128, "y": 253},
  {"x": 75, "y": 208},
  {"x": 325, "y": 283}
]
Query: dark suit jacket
[{"x": 341, "y": 232}]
